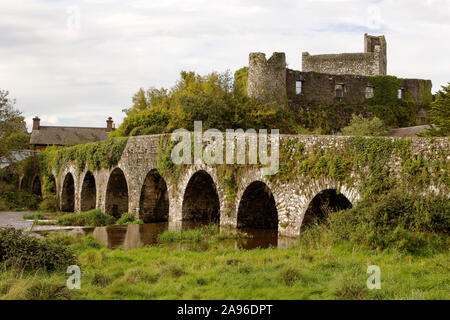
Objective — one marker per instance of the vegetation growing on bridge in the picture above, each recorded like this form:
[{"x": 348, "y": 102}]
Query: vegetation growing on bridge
[
  {"x": 368, "y": 158},
  {"x": 91, "y": 156}
]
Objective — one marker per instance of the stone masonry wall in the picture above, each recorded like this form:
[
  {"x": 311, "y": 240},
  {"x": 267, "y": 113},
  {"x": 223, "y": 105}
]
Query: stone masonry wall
[
  {"x": 292, "y": 197},
  {"x": 267, "y": 78},
  {"x": 372, "y": 61}
]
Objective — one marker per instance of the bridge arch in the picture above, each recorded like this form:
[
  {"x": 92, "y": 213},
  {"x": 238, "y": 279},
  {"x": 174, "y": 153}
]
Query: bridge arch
[
  {"x": 323, "y": 204},
  {"x": 116, "y": 202},
  {"x": 154, "y": 198},
  {"x": 257, "y": 208},
  {"x": 201, "y": 200},
  {"x": 36, "y": 186},
  {"x": 68, "y": 193},
  {"x": 88, "y": 196}
]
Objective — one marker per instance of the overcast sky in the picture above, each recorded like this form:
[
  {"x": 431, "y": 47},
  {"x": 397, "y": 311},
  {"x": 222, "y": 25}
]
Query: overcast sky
[{"x": 78, "y": 62}]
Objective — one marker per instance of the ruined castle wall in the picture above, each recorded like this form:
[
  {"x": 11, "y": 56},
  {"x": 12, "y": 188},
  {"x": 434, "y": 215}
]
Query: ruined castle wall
[
  {"x": 319, "y": 87},
  {"x": 371, "y": 62},
  {"x": 419, "y": 90},
  {"x": 367, "y": 64},
  {"x": 267, "y": 78}
]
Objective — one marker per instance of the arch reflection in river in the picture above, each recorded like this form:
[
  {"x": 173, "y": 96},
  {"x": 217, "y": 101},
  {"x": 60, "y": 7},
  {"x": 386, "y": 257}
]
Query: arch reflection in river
[{"x": 133, "y": 236}]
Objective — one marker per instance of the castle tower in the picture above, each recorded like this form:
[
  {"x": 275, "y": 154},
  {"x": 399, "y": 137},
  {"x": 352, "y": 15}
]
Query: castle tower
[
  {"x": 267, "y": 78},
  {"x": 377, "y": 45}
]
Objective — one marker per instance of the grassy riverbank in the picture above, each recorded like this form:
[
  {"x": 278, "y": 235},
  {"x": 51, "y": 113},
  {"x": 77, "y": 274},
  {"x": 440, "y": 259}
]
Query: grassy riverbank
[
  {"x": 335, "y": 272},
  {"x": 406, "y": 236}
]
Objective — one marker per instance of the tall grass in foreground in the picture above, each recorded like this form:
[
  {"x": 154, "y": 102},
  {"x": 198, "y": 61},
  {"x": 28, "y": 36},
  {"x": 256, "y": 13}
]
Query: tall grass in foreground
[{"x": 405, "y": 235}]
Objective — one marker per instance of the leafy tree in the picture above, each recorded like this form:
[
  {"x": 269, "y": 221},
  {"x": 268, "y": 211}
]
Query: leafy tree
[
  {"x": 360, "y": 126},
  {"x": 12, "y": 126},
  {"x": 440, "y": 110},
  {"x": 217, "y": 99}
]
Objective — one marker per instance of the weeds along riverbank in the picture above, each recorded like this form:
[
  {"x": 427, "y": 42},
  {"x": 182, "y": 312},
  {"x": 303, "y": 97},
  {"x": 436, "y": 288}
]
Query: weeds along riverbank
[
  {"x": 406, "y": 236},
  {"x": 326, "y": 272}
]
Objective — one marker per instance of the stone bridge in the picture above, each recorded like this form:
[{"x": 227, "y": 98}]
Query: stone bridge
[{"x": 232, "y": 195}]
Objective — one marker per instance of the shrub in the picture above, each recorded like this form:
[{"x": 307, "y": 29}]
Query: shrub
[
  {"x": 360, "y": 126},
  {"x": 440, "y": 110},
  {"x": 11, "y": 199},
  {"x": 409, "y": 223},
  {"x": 25, "y": 252},
  {"x": 50, "y": 204},
  {"x": 92, "y": 218},
  {"x": 127, "y": 219}
]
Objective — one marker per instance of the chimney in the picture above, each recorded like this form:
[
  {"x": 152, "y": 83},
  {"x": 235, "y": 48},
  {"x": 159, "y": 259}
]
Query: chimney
[
  {"x": 109, "y": 125},
  {"x": 36, "y": 123}
]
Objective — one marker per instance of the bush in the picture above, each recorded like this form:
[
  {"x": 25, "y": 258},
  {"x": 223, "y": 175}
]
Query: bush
[
  {"x": 49, "y": 204},
  {"x": 360, "y": 126},
  {"x": 92, "y": 218},
  {"x": 128, "y": 218},
  {"x": 11, "y": 199},
  {"x": 409, "y": 223},
  {"x": 25, "y": 252}
]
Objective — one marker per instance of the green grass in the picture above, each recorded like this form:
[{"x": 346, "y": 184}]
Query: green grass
[
  {"x": 127, "y": 219},
  {"x": 34, "y": 216},
  {"x": 92, "y": 218},
  {"x": 337, "y": 272},
  {"x": 95, "y": 218},
  {"x": 407, "y": 237},
  {"x": 205, "y": 233}
]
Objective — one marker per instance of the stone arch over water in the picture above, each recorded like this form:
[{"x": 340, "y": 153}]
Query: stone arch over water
[
  {"x": 154, "y": 199},
  {"x": 324, "y": 203},
  {"x": 68, "y": 194},
  {"x": 200, "y": 200},
  {"x": 88, "y": 192},
  {"x": 257, "y": 208},
  {"x": 116, "y": 193}
]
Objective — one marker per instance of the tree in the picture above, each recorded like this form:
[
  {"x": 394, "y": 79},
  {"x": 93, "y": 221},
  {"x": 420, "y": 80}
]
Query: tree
[
  {"x": 440, "y": 111},
  {"x": 12, "y": 126},
  {"x": 217, "y": 99},
  {"x": 360, "y": 126}
]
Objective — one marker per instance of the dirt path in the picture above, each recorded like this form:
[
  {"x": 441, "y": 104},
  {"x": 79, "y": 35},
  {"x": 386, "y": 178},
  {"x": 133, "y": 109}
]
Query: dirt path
[{"x": 14, "y": 220}]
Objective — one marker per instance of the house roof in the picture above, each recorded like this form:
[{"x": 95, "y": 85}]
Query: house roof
[
  {"x": 408, "y": 132},
  {"x": 15, "y": 156},
  {"x": 67, "y": 136}
]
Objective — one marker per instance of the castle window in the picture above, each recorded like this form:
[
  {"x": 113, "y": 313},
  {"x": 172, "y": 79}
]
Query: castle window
[
  {"x": 369, "y": 92},
  {"x": 298, "y": 87},
  {"x": 400, "y": 93},
  {"x": 339, "y": 88}
]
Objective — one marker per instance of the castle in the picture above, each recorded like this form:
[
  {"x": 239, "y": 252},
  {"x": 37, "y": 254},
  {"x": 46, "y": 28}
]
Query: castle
[{"x": 329, "y": 78}]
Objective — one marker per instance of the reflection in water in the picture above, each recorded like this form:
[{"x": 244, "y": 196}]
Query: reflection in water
[{"x": 133, "y": 236}]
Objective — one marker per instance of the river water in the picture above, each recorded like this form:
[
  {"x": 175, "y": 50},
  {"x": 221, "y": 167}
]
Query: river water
[{"x": 133, "y": 236}]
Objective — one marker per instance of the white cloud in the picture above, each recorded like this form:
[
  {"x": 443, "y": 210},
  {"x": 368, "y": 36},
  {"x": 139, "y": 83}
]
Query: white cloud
[{"x": 79, "y": 76}]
